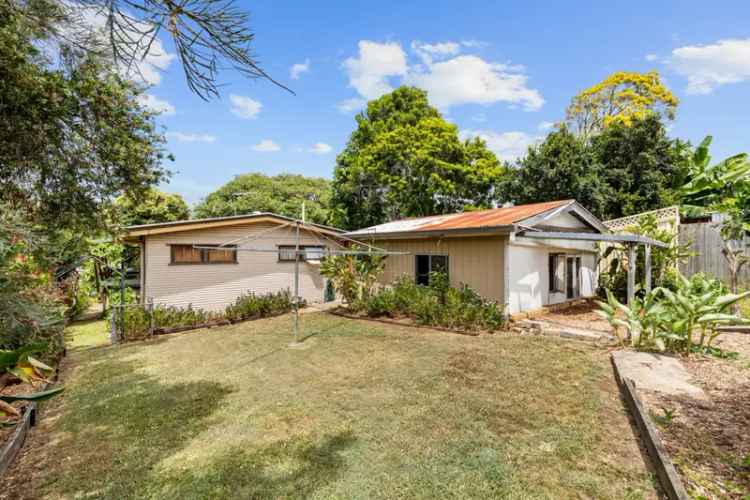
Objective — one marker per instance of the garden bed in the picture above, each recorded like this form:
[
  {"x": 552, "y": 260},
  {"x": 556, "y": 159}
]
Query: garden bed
[
  {"x": 402, "y": 321},
  {"x": 12, "y": 437},
  {"x": 708, "y": 439}
]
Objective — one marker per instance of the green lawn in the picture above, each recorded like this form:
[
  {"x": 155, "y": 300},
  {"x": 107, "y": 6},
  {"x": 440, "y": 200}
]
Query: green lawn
[
  {"x": 364, "y": 410},
  {"x": 85, "y": 334}
]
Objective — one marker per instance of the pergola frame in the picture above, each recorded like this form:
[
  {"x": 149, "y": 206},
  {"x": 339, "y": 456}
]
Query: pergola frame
[{"x": 630, "y": 240}]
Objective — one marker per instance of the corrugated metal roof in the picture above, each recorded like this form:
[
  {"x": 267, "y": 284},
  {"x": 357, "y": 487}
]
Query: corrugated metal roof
[{"x": 465, "y": 220}]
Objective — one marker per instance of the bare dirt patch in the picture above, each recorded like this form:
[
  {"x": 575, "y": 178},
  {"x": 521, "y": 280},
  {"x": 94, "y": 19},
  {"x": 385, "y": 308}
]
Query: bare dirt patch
[
  {"x": 709, "y": 439},
  {"x": 581, "y": 315}
]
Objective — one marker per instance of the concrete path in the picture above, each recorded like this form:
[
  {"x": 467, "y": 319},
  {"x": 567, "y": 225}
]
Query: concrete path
[
  {"x": 564, "y": 331},
  {"x": 656, "y": 372}
]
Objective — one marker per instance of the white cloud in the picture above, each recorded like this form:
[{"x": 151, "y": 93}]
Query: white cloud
[
  {"x": 470, "y": 79},
  {"x": 183, "y": 137},
  {"x": 474, "y": 44},
  {"x": 297, "y": 69},
  {"x": 377, "y": 62},
  {"x": 430, "y": 51},
  {"x": 707, "y": 67},
  {"x": 244, "y": 107},
  {"x": 545, "y": 126},
  {"x": 448, "y": 77},
  {"x": 507, "y": 146},
  {"x": 320, "y": 148},
  {"x": 156, "y": 105},
  {"x": 479, "y": 118},
  {"x": 266, "y": 146},
  {"x": 149, "y": 69},
  {"x": 350, "y": 105},
  {"x": 651, "y": 57}
]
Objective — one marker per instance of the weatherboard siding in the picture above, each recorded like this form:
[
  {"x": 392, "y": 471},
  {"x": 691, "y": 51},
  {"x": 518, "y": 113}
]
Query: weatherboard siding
[
  {"x": 214, "y": 286},
  {"x": 477, "y": 262}
]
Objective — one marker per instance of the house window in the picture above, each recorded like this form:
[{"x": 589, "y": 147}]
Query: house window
[
  {"x": 188, "y": 254},
  {"x": 426, "y": 264},
  {"x": 308, "y": 252},
  {"x": 556, "y": 272}
]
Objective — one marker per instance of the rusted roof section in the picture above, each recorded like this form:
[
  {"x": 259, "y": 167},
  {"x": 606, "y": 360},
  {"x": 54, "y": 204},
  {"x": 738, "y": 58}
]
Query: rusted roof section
[
  {"x": 491, "y": 218},
  {"x": 494, "y": 217}
]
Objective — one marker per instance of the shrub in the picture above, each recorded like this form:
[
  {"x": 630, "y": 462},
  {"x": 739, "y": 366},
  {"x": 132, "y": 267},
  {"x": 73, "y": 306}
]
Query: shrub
[
  {"x": 682, "y": 320},
  {"x": 436, "y": 305},
  {"x": 353, "y": 276},
  {"x": 139, "y": 320},
  {"x": 249, "y": 306}
]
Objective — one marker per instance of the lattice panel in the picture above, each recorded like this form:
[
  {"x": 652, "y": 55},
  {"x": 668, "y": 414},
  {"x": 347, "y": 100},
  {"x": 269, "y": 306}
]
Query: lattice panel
[{"x": 667, "y": 218}]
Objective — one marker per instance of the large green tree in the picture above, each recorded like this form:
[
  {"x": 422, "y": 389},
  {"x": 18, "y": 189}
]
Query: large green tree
[
  {"x": 626, "y": 169},
  {"x": 72, "y": 134},
  {"x": 282, "y": 194},
  {"x": 561, "y": 167},
  {"x": 404, "y": 160},
  {"x": 641, "y": 164},
  {"x": 154, "y": 206}
]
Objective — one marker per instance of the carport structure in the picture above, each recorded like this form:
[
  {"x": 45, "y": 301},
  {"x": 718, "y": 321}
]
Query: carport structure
[{"x": 631, "y": 241}]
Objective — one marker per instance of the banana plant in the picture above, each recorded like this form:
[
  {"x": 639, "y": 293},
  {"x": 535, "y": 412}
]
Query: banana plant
[
  {"x": 21, "y": 364},
  {"x": 682, "y": 320},
  {"x": 7, "y": 409},
  {"x": 709, "y": 184}
]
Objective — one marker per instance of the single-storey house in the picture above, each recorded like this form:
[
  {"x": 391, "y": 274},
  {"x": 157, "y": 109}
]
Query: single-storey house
[
  {"x": 208, "y": 263},
  {"x": 525, "y": 256}
]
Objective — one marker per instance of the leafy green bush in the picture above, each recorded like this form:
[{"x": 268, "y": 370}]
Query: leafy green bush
[
  {"x": 249, "y": 306},
  {"x": 139, "y": 319},
  {"x": 437, "y": 305},
  {"x": 683, "y": 320},
  {"x": 353, "y": 276}
]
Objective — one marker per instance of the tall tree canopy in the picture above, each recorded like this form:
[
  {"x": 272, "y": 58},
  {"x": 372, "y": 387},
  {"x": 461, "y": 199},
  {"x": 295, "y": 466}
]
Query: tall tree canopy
[
  {"x": 73, "y": 136},
  {"x": 621, "y": 98},
  {"x": 404, "y": 160},
  {"x": 153, "y": 207},
  {"x": 627, "y": 169},
  {"x": 282, "y": 194}
]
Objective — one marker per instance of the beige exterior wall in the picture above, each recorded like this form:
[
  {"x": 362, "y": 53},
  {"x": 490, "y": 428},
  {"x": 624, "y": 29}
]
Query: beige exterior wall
[
  {"x": 476, "y": 261},
  {"x": 213, "y": 286}
]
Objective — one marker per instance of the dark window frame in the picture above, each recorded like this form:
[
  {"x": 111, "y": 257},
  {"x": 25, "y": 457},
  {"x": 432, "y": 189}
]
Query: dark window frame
[
  {"x": 204, "y": 254},
  {"x": 553, "y": 264},
  {"x": 430, "y": 256},
  {"x": 302, "y": 257}
]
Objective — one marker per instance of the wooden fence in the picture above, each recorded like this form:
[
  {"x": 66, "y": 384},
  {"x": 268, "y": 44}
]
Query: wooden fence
[{"x": 706, "y": 244}]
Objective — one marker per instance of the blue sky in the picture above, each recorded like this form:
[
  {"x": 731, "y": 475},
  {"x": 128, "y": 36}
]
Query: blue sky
[{"x": 498, "y": 70}]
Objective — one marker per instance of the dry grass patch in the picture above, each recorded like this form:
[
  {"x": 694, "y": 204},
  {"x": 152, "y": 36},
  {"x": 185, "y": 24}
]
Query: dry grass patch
[{"x": 367, "y": 411}]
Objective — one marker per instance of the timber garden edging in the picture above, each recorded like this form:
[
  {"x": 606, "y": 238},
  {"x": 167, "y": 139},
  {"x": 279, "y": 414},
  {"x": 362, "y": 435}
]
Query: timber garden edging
[{"x": 665, "y": 469}]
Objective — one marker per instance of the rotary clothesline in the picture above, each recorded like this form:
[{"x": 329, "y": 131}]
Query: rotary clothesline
[{"x": 317, "y": 233}]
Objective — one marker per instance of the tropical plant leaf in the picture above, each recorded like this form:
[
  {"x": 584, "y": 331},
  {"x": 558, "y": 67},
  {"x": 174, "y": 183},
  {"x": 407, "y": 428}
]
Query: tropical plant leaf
[
  {"x": 7, "y": 409},
  {"x": 38, "y": 364},
  {"x": 726, "y": 300},
  {"x": 37, "y": 396}
]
